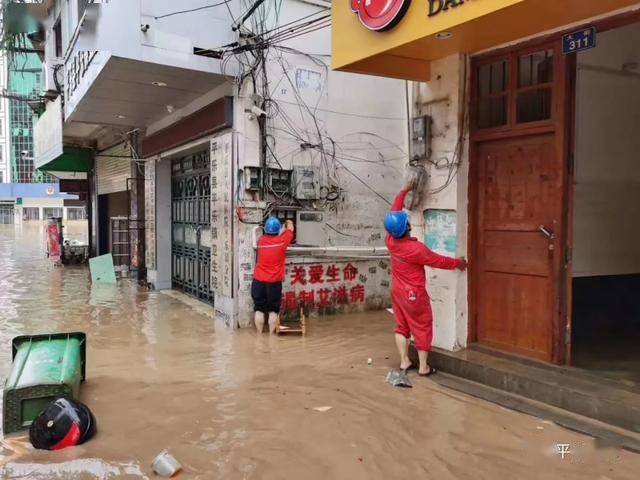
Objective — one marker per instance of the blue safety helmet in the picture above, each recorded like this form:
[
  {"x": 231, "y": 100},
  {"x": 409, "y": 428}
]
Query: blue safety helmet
[
  {"x": 397, "y": 224},
  {"x": 272, "y": 226}
]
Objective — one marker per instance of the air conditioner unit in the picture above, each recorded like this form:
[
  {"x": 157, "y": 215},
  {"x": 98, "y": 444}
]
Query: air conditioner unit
[{"x": 50, "y": 69}]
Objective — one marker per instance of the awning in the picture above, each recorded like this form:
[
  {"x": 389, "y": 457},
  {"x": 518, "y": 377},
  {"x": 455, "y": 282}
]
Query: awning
[
  {"x": 72, "y": 160},
  {"x": 406, "y": 39}
]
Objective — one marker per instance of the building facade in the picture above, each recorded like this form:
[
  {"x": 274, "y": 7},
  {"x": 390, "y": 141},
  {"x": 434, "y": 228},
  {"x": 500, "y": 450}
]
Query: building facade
[
  {"x": 530, "y": 163},
  {"x": 194, "y": 124},
  {"x": 29, "y": 203},
  {"x": 23, "y": 84},
  {"x": 5, "y": 163}
]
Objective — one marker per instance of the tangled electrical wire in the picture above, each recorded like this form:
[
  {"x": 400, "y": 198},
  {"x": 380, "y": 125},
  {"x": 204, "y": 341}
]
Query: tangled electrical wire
[{"x": 292, "y": 132}]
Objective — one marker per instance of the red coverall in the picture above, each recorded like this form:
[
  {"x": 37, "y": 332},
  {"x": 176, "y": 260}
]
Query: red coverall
[
  {"x": 411, "y": 302},
  {"x": 272, "y": 252}
]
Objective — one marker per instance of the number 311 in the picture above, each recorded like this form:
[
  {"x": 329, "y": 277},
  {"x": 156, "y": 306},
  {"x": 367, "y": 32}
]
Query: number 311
[{"x": 575, "y": 44}]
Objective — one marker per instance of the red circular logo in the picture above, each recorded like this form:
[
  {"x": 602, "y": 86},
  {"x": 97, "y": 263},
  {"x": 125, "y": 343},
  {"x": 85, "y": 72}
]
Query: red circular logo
[{"x": 380, "y": 15}]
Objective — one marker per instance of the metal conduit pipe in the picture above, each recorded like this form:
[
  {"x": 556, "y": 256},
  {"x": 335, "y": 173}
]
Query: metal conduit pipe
[
  {"x": 338, "y": 255},
  {"x": 374, "y": 252},
  {"x": 341, "y": 249}
]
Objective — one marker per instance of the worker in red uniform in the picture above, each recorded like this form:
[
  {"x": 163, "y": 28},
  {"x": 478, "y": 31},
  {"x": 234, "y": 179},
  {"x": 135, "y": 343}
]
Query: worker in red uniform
[
  {"x": 266, "y": 289},
  {"x": 411, "y": 302}
]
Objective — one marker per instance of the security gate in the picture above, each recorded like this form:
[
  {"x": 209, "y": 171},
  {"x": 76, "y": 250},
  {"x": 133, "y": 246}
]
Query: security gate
[
  {"x": 6, "y": 214},
  {"x": 191, "y": 225}
]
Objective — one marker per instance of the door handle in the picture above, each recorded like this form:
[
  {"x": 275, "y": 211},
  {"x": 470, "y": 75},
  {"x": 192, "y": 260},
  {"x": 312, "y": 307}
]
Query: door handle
[{"x": 547, "y": 233}]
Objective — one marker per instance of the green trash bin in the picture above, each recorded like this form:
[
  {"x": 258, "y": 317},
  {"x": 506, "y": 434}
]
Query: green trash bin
[{"x": 44, "y": 368}]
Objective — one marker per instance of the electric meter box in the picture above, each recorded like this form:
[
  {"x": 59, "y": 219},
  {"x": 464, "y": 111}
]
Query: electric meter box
[
  {"x": 307, "y": 183},
  {"x": 310, "y": 228},
  {"x": 421, "y": 137},
  {"x": 252, "y": 178}
]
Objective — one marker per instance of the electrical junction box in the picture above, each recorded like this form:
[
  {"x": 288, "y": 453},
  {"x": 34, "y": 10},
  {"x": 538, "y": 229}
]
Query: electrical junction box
[
  {"x": 421, "y": 137},
  {"x": 307, "y": 183},
  {"x": 310, "y": 228},
  {"x": 278, "y": 180},
  {"x": 252, "y": 178},
  {"x": 284, "y": 214}
]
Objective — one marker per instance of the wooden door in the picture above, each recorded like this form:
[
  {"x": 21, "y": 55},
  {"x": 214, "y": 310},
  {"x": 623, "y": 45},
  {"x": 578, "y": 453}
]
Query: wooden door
[
  {"x": 519, "y": 178},
  {"x": 520, "y": 195}
]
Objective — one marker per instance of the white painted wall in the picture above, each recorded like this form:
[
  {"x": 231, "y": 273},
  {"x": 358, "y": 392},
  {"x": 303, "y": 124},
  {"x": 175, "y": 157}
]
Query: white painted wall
[
  {"x": 607, "y": 171},
  {"x": 365, "y": 116},
  {"x": 442, "y": 99},
  {"x": 168, "y": 40}
]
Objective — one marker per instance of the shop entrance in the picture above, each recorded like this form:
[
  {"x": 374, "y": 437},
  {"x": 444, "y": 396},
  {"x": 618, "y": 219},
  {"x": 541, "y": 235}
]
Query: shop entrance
[
  {"x": 519, "y": 178},
  {"x": 191, "y": 225},
  {"x": 554, "y": 202},
  {"x": 606, "y": 207}
]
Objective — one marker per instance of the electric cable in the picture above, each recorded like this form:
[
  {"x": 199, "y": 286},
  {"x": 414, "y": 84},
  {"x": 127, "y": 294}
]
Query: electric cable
[{"x": 180, "y": 12}]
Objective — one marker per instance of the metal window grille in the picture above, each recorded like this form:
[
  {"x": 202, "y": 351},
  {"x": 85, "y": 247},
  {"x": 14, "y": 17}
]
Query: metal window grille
[
  {"x": 52, "y": 212},
  {"x": 6, "y": 214},
  {"x": 76, "y": 213},
  {"x": 30, "y": 213}
]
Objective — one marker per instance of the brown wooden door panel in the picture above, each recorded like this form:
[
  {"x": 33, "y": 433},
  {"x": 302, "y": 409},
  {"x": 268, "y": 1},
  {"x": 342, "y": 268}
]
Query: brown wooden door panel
[
  {"x": 519, "y": 192},
  {"x": 518, "y": 178},
  {"x": 518, "y": 202},
  {"x": 524, "y": 253},
  {"x": 512, "y": 307}
]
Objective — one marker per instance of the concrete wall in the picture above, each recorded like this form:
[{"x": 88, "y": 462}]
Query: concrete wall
[
  {"x": 168, "y": 40},
  {"x": 159, "y": 265},
  {"x": 355, "y": 131},
  {"x": 357, "y": 123},
  {"x": 146, "y": 34},
  {"x": 357, "y": 128},
  {"x": 442, "y": 99},
  {"x": 607, "y": 172}
]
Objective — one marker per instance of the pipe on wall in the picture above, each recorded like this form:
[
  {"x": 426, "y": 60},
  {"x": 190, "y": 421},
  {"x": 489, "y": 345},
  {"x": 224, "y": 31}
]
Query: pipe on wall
[{"x": 355, "y": 251}]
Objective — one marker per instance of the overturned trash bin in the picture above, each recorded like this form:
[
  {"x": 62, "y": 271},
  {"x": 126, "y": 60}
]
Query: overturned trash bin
[
  {"x": 45, "y": 368},
  {"x": 64, "y": 423}
]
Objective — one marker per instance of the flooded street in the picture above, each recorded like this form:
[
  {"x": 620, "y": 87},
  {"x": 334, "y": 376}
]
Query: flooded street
[{"x": 235, "y": 405}]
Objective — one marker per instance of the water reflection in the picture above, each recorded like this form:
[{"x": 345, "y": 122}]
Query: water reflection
[{"x": 235, "y": 405}]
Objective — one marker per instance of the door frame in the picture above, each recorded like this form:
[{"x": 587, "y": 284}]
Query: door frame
[
  {"x": 555, "y": 125},
  {"x": 563, "y": 125}
]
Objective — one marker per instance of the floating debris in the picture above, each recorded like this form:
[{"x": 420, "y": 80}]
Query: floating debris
[{"x": 398, "y": 378}]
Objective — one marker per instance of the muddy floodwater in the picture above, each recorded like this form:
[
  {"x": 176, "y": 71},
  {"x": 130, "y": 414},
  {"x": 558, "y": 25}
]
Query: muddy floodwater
[{"x": 232, "y": 405}]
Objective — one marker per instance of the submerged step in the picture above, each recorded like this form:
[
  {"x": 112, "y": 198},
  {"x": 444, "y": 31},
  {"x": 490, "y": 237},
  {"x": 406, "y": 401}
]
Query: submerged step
[
  {"x": 563, "y": 388},
  {"x": 609, "y": 435}
]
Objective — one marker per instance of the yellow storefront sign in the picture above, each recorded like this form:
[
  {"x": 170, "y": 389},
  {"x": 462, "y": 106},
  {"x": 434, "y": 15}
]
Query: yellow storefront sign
[{"x": 399, "y": 38}]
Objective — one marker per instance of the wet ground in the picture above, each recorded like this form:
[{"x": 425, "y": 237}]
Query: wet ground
[{"x": 234, "y": 405}]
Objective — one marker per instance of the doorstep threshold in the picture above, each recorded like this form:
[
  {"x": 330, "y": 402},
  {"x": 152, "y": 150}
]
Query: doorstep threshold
[{"x": 607, "y": 435}]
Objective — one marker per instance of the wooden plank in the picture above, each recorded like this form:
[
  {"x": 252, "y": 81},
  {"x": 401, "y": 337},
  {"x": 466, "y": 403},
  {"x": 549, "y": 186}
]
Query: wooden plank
[
  {"x": 523, "y": 253},
  {"x": 293, "y": 327},
  {"x": 513, "y": 309}
]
